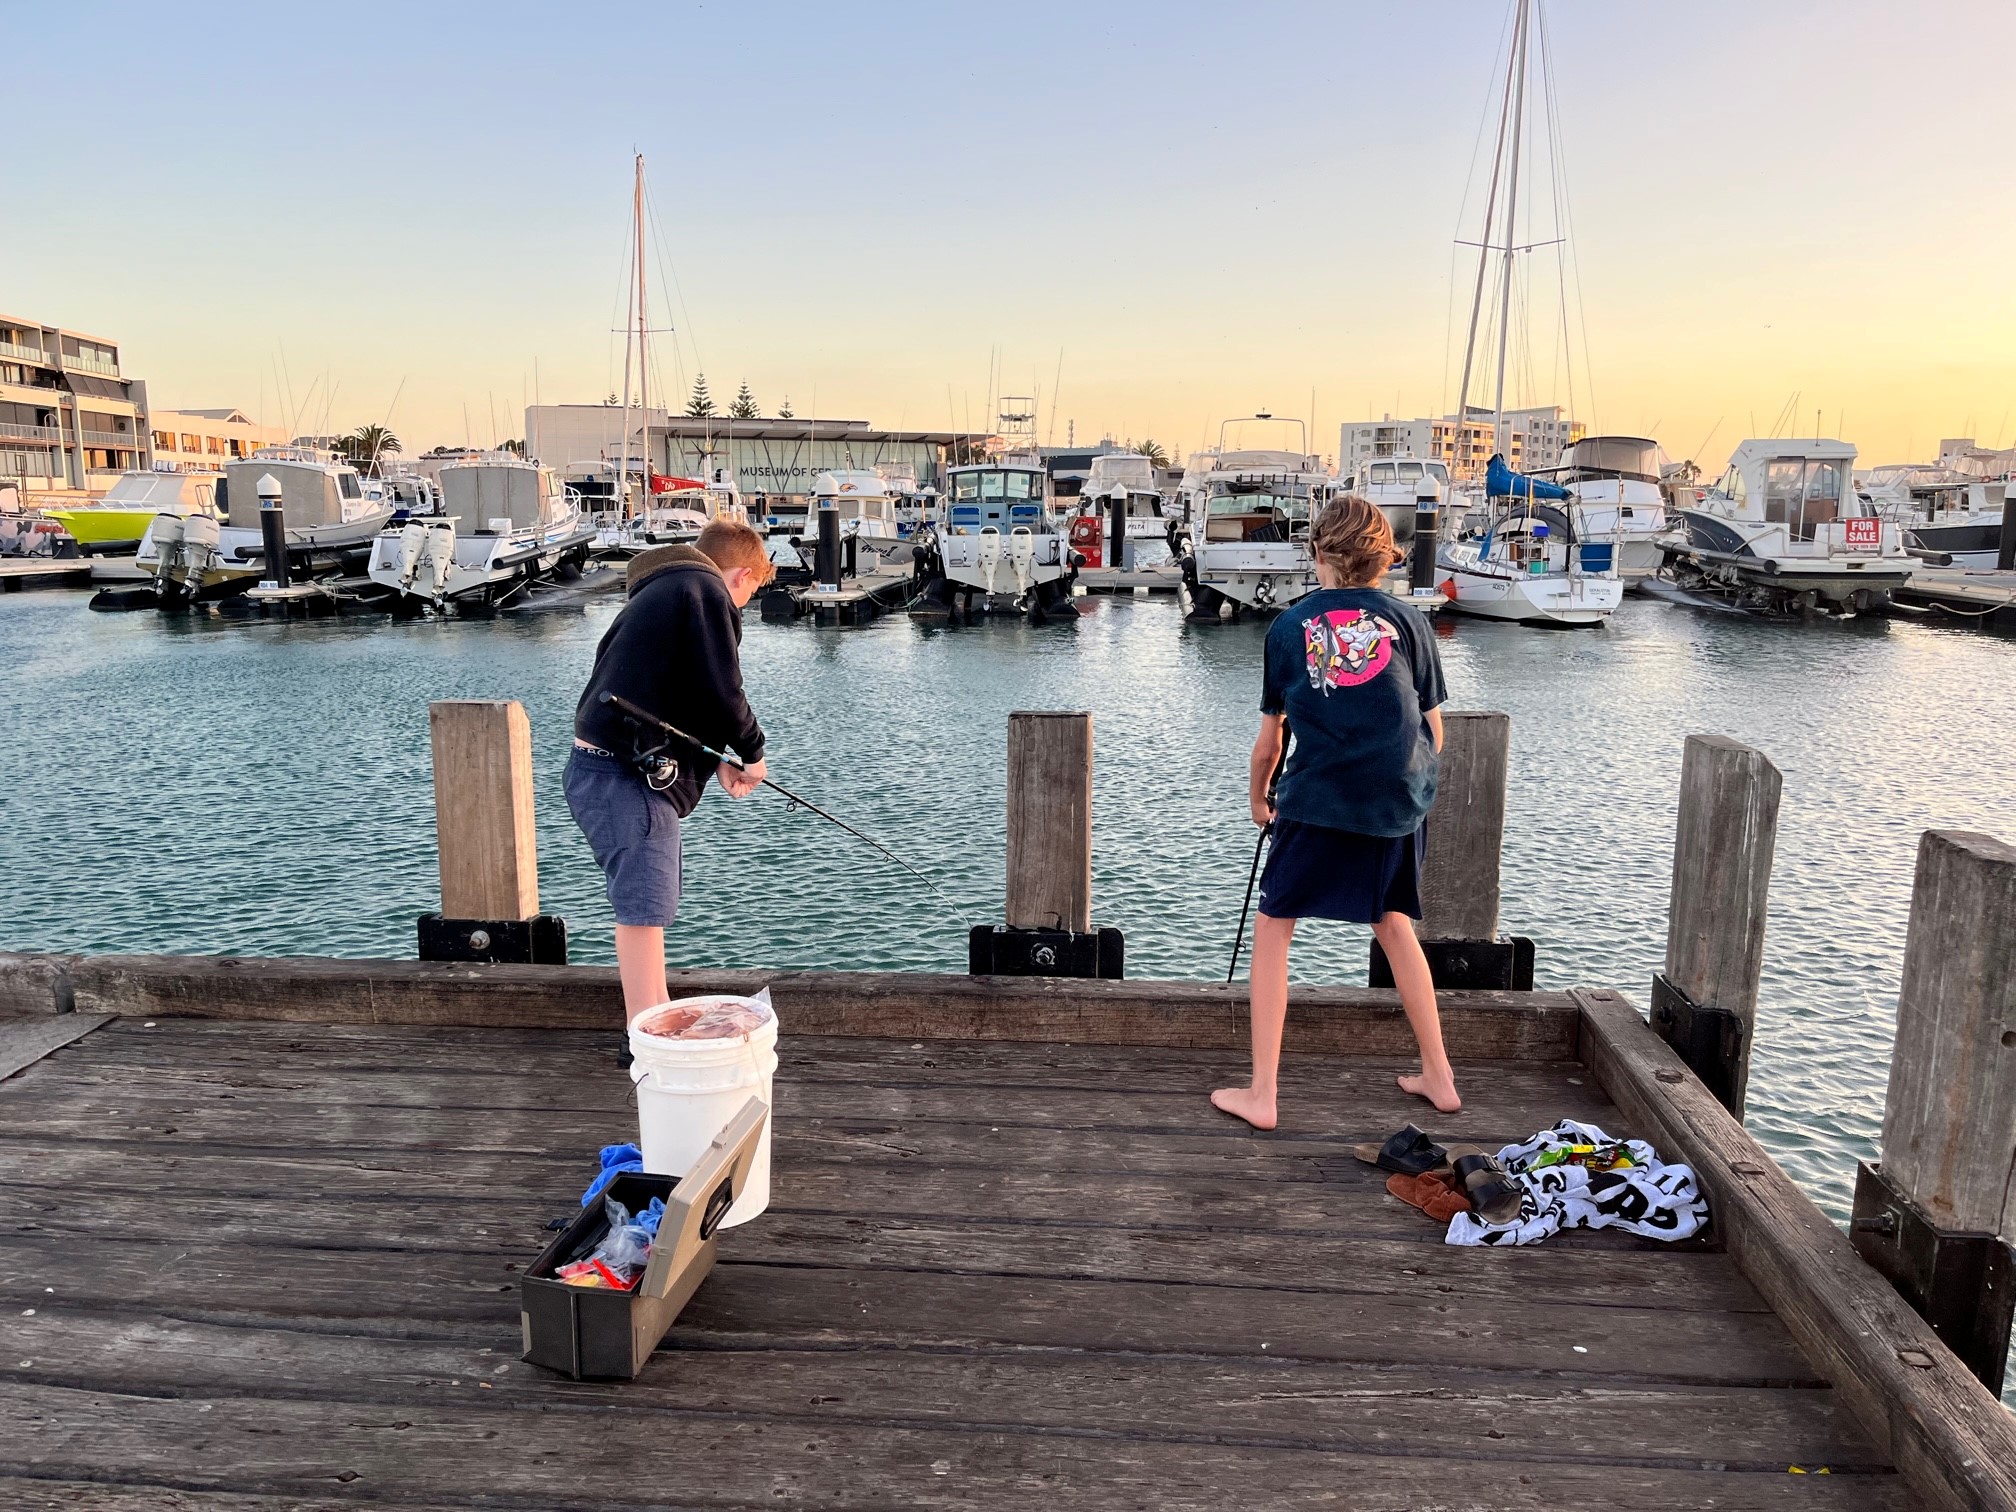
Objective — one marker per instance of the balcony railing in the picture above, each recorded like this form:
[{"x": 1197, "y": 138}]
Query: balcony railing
[
  {"x": 11, "y": 432},
  {"x": 92, "y": 365},
  {"x": 124, "y": 440},
  {"x": 23, "y": 353}
]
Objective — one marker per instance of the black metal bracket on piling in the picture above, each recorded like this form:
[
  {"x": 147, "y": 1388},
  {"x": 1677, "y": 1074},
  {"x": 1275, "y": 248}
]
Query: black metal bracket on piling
[
  {"x": 1503, "y": 965},
  {"x": 1710, "y": 1040},
  {"x": 538, "y": 941},
  {"x": 999, "y": 950},
  {"x": 1963, "y": 1284}
]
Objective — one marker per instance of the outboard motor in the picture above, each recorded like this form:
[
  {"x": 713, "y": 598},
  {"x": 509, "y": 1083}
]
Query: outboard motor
[
  {"x": 1022, "y": 556},
  {"x": 987, "y": 555},
  {"x": 441, "y": 554},
  {"x": 411, "y": 538}
]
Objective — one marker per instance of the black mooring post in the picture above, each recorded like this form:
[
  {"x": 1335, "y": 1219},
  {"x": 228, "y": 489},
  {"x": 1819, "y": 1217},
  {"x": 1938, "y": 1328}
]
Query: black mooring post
[
  {"x": 826, "y": 555},
  {"x": 1421, "y": 565},
  {"x": 273, "y": 531},
  {"x": 1116, "y": 533}
]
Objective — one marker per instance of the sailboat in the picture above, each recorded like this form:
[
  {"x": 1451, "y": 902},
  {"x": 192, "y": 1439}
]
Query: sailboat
[{"x": 1536, "y": 557}]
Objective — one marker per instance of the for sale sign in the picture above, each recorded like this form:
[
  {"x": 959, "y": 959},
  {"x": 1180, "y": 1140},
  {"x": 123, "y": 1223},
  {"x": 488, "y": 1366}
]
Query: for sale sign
[{"x": 1863, "y": 534}]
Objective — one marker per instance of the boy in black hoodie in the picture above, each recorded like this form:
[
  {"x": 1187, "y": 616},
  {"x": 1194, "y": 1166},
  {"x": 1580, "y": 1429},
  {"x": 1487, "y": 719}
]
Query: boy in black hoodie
[{"x": 674, "y": 650}]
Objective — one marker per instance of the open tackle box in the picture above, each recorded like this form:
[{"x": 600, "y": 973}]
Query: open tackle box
[{"x": 590, "y": 1331}]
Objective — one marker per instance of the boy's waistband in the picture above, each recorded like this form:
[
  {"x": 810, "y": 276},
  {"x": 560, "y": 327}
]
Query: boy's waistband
[{"x": 592, "y": 750}]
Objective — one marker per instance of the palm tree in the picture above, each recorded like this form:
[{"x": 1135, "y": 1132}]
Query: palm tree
[
  {"x": 744, "y": 405},
  {"x": 1154, "y": 453},
  {"x": 368, "y": 444}
]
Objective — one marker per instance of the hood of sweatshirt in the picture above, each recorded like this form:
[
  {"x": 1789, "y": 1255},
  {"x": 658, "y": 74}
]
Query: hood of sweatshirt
[{"x": 648, "y": 564}]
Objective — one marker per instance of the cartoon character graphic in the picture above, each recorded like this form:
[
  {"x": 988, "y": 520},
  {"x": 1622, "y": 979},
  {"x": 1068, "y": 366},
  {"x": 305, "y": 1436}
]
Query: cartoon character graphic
[{"x": 1346, "y": 647}]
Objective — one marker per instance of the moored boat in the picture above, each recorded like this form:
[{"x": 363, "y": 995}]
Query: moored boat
[
  {"x": 998, "y": 546},
  {"x": 1614, "y": 481},
  {"x": 1246, "y": 545},
  {"x": 1942, "y": 512},
  {"x": 1784, "y": 530},
  {"x": 115, "y": 523},
  {"x": 506, "y": 524}
]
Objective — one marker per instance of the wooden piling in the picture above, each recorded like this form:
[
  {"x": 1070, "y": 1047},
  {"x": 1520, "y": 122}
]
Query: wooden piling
[
  {"x": 1466, "y": 829},
  {"x": 1705, "y": 1003},
  {"x": 483, "y": 808},
  {"x": 1949, "y": 1122},
  {"x": 1937, "y": 1216},
  {"x": 1050, "y": 821}
]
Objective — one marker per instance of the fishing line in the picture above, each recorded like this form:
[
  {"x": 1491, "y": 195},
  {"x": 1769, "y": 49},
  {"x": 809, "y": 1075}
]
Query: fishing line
[
  {"x": 1267, "y": 829},
  {"x": 644, "y": 717}
]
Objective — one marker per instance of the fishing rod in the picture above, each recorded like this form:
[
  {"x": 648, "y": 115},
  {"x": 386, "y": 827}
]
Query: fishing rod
[
  {"x": 645, "y": 717},
  {"x": 1252, "y": 877}
]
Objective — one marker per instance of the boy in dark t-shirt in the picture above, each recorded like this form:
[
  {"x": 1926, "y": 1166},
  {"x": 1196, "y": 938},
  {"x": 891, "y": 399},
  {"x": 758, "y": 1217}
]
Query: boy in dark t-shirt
[{"x": 1355, "y": 674}]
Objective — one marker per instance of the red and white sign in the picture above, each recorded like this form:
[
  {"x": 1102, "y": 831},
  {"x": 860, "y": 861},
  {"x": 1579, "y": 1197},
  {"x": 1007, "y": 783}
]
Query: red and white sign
[{"x": 1862, "y": 534}]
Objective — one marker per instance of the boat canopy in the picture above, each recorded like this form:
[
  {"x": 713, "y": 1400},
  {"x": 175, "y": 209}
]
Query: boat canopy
[
  {"x": 1128, "y": 470},
  {"x": 1501, "y": 482},
  {"x": 159, "y": 490},
  {"x": 852, "y": 483},
  {"x": 479, "y": 492},
  {"x": 1632, "y": 457},
  {"x": 989, "y": 482},
  {"x": 312, "y": 494}
]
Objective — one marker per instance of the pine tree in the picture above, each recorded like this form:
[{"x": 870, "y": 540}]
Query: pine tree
[
  {"x": 784, "y": 409},
  {"x": 702, "y": 402},
  {"x": 744, "y": 407}
]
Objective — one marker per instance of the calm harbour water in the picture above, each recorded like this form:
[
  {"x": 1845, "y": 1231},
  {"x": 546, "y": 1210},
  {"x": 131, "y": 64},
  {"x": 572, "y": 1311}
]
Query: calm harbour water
[{"x": 191, "y": 784}]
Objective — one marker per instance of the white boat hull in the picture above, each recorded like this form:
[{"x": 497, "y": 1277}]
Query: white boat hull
[
  {"x": 427, "y": 561},
  {"x": 1486, "y": 590}
]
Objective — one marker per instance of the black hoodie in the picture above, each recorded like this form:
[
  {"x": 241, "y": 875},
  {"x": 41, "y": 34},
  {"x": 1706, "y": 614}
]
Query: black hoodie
[{"x": 675, "y": 650}]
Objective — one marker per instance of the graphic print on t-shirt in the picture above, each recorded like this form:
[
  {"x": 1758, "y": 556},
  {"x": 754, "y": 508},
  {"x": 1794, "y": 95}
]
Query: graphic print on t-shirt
[{"x": 1346, "y": 647}]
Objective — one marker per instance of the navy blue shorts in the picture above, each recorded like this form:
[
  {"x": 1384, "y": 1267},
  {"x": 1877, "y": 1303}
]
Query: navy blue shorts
[
  {"x": 634, "y": 834},
  {"x": 1318, "y": 873}
]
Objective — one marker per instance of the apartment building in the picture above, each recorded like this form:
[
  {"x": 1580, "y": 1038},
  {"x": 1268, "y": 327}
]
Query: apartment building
[
  {"x": 204, "y": 440},
  {"x": 70, "y": 421},
  {"x": 1534, "y": 438}
]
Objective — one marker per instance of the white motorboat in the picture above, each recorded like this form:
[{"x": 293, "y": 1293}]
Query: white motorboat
[
  {"x": 998, "y": 546},
  {"x": 1128, "y": 479},
  {"x": 1614, "y": 481},
  {"x": 1402, "y": 487},
  {"x": 1190, "y": 487},
  {"x": 1247, "y": 545},
  {"x": 915, "y": 507},
  {"x": 865, "y": 505},
  {"x": 1784, "y": 530},
  {"x": 330, "y": 523},
  {"x": 508, "y": 523},
  {"x": 1941, "y": 511}
]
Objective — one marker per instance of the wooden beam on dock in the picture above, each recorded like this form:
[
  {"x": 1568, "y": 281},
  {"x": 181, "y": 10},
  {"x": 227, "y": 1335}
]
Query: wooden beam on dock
[
  {"x": 1466, "y": 829},
  {"x": 879, "y": 1004},
  {"x": 1951, "y": 1439},
  {"x": 1725, "y": 835},
  {"x": 483, "y": 808},
  {"x": 1050, "y": 821}
]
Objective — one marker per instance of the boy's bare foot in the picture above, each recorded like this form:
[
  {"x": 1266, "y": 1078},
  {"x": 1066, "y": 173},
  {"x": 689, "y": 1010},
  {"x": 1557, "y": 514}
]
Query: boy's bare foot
[
  {"x": 1440, "y": 1091},
  {"x": 1244, "y": 1102}
]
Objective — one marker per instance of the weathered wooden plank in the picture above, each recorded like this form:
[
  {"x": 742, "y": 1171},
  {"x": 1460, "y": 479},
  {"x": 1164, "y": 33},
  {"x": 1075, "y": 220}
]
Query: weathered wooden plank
[
  {"x": 1254, "y": 1400},
  {"x": 1466, "y": 830},
  {"x": 25, "y": 1494},
  {"x": 1351, "y": 1205},
  {"x": 34, "y": 983},
  {"x": 1328, "y": 1099},
  {"x": 1949, "y": 1121},
  {"x": 25, "y": 1041},
  {"x": 1413, "y": 1261},
  {"x": 1340, "y": 1020},
  {"x": 1723, "y": 841},
  {"x": 465, "y": 1449},
  {"x": 483, "y": 808},
  {"x": 1951, "y": 1439},
  {"x": 1050, "y": 821}
]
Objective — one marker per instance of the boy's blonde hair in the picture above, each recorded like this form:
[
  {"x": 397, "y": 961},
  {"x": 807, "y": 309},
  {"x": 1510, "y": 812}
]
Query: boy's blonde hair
[
  {"x": 1354, "y": 536},
  {"x": 730, "y": 544}
]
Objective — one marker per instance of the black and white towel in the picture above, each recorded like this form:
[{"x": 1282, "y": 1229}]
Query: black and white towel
[{"x": 1568, "y": 1188}]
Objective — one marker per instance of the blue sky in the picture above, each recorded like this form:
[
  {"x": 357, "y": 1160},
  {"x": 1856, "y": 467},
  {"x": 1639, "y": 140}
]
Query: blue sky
[{"x": 1204, "y": 209}]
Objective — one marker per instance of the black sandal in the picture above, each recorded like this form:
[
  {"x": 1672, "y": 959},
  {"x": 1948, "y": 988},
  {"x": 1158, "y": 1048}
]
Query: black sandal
[
  {"x": 1494, "y": 1196},
  {"x": 1408, "y": 1153}
]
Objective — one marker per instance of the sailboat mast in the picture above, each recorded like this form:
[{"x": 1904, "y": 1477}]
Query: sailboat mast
[
  {"x": 643, "y": 330},
  {"x": 1484, "y": 247},
  {"x": 622, "y": 484},
  {"x": 1511, "y": 212}
]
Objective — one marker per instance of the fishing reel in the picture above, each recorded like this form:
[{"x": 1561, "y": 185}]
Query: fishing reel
[{"x": 660, "y": 771}]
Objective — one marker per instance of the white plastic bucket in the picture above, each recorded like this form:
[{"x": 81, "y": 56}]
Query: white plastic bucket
[{"x": 688, "y": 1089}]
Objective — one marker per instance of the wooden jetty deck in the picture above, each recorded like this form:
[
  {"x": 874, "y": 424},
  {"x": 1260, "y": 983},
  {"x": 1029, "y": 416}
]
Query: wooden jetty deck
[
  {"x": 19, "y": 573},
  {"x": 1986, "y": 598},
  {"x": 256, "y": 1260}
]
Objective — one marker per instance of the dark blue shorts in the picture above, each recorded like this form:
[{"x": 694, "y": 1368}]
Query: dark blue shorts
[
  {"x": 634, "y": 834},
  {"x": 1318, "y": 873}
]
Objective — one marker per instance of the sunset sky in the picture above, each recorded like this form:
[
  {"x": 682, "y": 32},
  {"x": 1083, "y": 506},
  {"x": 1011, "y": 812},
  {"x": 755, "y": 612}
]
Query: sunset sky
[{"x": 1202, "y": 208}]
